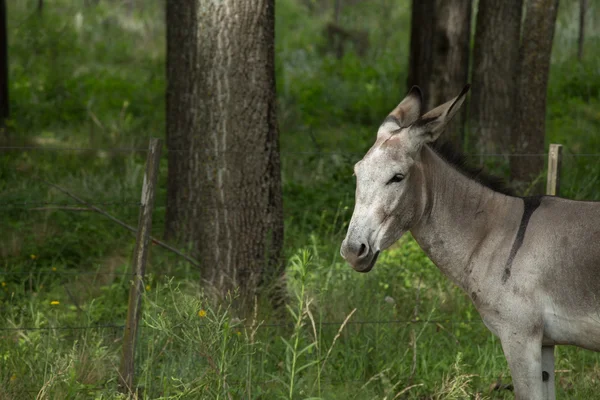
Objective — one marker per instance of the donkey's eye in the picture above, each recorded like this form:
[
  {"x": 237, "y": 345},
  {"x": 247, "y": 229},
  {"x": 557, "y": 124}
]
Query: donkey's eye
[{"x": 396, "y": 178}]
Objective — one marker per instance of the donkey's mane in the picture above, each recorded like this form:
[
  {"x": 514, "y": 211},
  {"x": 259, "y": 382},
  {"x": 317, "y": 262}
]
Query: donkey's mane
[{"x": 455, "y": 158}]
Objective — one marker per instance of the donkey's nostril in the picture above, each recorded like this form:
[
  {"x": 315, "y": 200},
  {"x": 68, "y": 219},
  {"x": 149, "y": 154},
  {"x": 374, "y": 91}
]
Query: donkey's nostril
[{"x": 363, "y": 251}]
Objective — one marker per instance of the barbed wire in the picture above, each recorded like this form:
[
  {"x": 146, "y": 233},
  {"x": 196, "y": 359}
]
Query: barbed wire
[
  {"x": 282, "y": 152},
  {"x": 256, "y": 326},
  {"x": 48, "y": 148},
  {"x": 63, "y": 327},
  {"x": 70, "y": 273},
  {"x": 33, "y": 206},
  {"x": 67, "y": 204},
  {"x": 59, "y": 273},
  {"x": 374, "y": 322}
]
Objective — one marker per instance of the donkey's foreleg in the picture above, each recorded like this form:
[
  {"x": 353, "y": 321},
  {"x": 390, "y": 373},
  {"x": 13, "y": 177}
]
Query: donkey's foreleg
[{"x": 524, "y": 355}]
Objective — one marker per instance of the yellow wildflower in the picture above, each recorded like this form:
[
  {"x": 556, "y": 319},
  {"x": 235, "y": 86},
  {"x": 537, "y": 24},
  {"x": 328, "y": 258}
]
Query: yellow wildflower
[
  {"x": 54, "y": 302},
  {"x": 147, "y": 287},
  {"x": 3, "y": 284},
  {"x": 13, "y": 378},
  {"x": 33, "y": 256},
  {"x": 202, "y": 313},
  {"x": 239, "y": 333},
  {"x": 53, "y": 268}
]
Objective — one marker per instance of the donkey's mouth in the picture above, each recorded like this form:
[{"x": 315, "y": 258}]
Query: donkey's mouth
[{"x": 371, "y": 264}]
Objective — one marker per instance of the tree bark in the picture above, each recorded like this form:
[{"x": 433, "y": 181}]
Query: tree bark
[
  {"x": 528, "y": 133},
  {"x": 337, "y": 10},
  {"x": 495, "y": 58},
  {"x": 4, "y": 103},
  {"x": 450, "y": 60},
  {"x": 130, "y": 6},
  {"x": 421, "y": 39},
  {"x": 582, "y": 12},
  {"x": 224, "y": 182}
]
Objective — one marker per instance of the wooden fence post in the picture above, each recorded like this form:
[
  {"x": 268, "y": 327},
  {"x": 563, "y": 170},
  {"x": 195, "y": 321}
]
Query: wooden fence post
[
  {"x": 554, "y": 164},
  {"x": 552, "y": 188},
  {"x": 138, "y": 267}
]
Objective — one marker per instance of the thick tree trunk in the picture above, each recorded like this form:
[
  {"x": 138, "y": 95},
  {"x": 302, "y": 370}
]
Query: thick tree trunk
[
  {"x": 450, "y": 60},
  {"x": 495, "y": 58},
  {"x": 528, "y": 134},
  {"x": 4, "y": 104},
  {"x": 421, "y": 39},
  {"x": 224, "y": 183}
]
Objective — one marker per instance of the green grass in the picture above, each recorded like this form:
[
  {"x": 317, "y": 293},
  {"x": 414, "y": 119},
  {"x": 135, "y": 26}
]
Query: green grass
[{"x": 94, "y": 78}]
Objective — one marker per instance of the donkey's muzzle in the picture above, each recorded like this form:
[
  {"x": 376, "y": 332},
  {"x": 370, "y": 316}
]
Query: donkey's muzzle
[{"x": 359, "y": 255}]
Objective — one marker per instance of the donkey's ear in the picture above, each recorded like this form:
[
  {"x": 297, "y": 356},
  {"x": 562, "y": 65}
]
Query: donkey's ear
[
  {"x": 431, "y": 125},
  {"x": 408, "y": 111}
]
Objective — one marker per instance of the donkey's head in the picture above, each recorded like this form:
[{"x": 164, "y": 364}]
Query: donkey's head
[{"x": 390, "y": 186}]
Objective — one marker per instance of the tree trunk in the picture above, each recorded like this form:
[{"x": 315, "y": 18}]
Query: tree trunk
[
  {"x": 4, "y": 104},
  {"x": 130, "y": 6},
  {"x": 421, "y": 39},
  {"x": 450, "y": 60},
  {"x": 337, "y": 10},
  {"x": 528, "y": 134},
  {"x": 582, "y": 12},
  {"x": 495, "y": 58},
  {"x": 224, "y": 182}
]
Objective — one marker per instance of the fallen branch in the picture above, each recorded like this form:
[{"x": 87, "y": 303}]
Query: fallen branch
[{"x": 123, "y": 224}]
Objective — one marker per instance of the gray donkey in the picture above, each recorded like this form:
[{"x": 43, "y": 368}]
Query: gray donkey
[{"x": 530, "y": 265}]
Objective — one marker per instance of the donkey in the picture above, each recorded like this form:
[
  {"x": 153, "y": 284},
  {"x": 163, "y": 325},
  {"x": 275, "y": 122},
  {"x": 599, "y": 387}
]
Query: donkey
[{"x": 530, "y": 265}]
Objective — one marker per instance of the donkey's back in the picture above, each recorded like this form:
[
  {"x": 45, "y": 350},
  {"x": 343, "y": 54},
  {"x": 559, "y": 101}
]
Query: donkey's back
[{"x": 560, "y": 262}]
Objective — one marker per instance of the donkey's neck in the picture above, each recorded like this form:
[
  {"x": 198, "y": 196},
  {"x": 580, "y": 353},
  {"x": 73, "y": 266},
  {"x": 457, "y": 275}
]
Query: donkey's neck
[{"x": 461, "y": 218}]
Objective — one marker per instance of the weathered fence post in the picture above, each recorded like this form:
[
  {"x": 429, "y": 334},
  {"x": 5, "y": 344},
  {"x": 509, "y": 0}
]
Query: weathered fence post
[
  {"x": 552, "y": 188},
  {"x": 554, "y": 164},
  {"x": 138, "y": 267}
]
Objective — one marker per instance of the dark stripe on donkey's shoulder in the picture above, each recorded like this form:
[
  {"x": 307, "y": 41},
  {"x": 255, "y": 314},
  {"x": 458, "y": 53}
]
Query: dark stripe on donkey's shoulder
[{"x": 530, "y": 204}]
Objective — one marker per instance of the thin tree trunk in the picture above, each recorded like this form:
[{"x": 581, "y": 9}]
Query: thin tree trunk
[
  {"x": 421, "y": 39},
  {"x": 224, "y": 183},
  {"x": 582, "y": 12},
  {"x": 528, "y": 133},
  {"x": 40, "y": 6},
  {"x": 495, "y": 58},
  {"x": 337, "y": 10},
  {"x": 4, "y": 103},
  {"x": 450, "y": 60},
  {"x": 130, "y": 6}
]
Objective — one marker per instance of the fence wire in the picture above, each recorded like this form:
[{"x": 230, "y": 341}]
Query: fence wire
[
  {"x": 116, "y": 150},
  {"x": 284, "y": 324}
]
